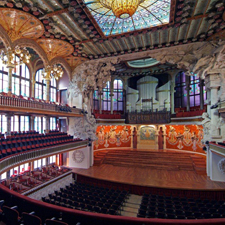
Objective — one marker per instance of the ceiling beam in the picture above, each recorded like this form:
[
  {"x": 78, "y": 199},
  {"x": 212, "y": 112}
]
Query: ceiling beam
[{"x": 54, "y": 13}]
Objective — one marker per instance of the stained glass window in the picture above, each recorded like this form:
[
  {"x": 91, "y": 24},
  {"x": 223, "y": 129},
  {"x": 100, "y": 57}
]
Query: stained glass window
[
  {"x": 95, "y": 100},
  {"x": 53, "y": 90},
  {"x": 118, "y": 95},
  {"x": 40, "y": 86},
  {"x": 106, "y": 99},
  {"x": 21, "y": 80},
  {"x": 180, "y": 95},
  {"x": 150, "y": 13}
]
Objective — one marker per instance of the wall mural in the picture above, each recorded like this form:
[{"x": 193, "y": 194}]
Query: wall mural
[
  {"x": 185, "y": 137},
  {"x": 147, "y": 133},
  {"x": 112, "y": 137}
]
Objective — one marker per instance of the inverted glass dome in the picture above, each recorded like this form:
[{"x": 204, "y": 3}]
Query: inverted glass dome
[{"x": 143, "y": 63}]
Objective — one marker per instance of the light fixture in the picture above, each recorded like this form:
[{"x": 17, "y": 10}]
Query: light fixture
[
  {"x": 8, "y": 56},
  {"x": 55, "y": 71},
  {"x": 122, "y": 8}
]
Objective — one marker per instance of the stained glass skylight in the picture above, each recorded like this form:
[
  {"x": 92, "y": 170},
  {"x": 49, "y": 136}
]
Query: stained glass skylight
[{"x": 150, "y": 13}]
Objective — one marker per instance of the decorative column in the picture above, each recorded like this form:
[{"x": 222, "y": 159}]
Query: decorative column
[
  {"x": 100, "y": 101},
  {"x": 8, "y": 117},
  {"x": 201, "y": 86},
  {"x": 187, "y": 78},
  {"x": 111, "y": 96},
  {"x": 47, "y": 124},
  {"x": 47, "y": 89},
  {"x": 212, "y": 83},
  {"x": 33, "y": 85},
  {"x": 172, "y": 91},
  {"x": 31, "y": 122},
  {"x": 10, "y": 68},
  {"x": 111, "y": 102}
]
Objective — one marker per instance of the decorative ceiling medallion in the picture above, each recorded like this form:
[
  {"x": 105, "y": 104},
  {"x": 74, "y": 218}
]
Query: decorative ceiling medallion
[
  {"x": 143, "y": 63},
  {"x": 78, "y": 156},
  {"x": 19, "y": 24},
  {"x": 149, "y": 13},
  {"x": 75, "y": 61},
  {"x": 54, "y": 47},
  {"x": 221, "y": 166}
]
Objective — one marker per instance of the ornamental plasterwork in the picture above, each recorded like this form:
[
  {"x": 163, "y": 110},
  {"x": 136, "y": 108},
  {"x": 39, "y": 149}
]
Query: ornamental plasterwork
[
  {"x": 89, "y": 76},
  {"x": 19, "y": 24},
  {"x": 84, "y": 128},
  {"x": 221, "y": 166},
  {"x": 55, "y": 48}
]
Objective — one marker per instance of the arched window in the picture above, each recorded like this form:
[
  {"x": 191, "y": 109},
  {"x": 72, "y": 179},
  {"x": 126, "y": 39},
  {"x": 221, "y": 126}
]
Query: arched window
[
  {"x": 195, "y": 91},
  {"x": 106, "y": 105},
  {"x": 21, "y": 80},
  {"x": 53, "y": 90},
  {"x": 40, "y": 124},
  {"x": 3, "y": 77},
  {"x": 3, "y": 124},
  {"x": 180, "y": 95},
  {"x": 118, "y": 95},
  {"x": 52, "y": 123},
  {"x": 40, "y": 86}
]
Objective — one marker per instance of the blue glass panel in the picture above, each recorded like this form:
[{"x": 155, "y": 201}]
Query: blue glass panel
[{"x": 148, "y": 14}]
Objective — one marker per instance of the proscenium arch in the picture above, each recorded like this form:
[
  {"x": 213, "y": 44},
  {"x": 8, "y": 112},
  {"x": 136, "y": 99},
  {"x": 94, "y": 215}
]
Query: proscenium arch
[
  {"x": 24, "y": 42},
  {"x": 64, "y": 64},
  {"x": 5, "y": 38}
]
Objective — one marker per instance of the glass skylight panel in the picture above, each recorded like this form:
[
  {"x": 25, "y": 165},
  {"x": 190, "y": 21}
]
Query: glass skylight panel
[{"x": 149, "y": 13}]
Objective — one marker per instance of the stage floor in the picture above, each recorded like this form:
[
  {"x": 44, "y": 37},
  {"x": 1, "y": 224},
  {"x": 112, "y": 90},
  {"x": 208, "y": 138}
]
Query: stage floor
[{"x": 151, "y": 177}]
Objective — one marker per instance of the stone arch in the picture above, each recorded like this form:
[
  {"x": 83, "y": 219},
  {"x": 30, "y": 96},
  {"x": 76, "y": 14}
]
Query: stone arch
[
  {"x": 64, "y": 63},
  {"x": 5, "y": 38},
  {"x": 24, "y": 42}
]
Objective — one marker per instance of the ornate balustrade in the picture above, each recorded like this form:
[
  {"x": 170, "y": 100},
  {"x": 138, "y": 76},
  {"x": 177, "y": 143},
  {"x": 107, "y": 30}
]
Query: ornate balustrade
[
  {"x": 31, "y": 103},
  {"x": 12, "y": 160},
  {"x": 148, "y": 117}
]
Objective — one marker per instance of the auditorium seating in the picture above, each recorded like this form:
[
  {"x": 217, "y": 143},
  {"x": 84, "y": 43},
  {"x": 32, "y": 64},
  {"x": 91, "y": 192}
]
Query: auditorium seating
[
  {"x": 168, "y": 207},
  {"x": 91, "y": 198},
  {"x": 32, "y": 140}
]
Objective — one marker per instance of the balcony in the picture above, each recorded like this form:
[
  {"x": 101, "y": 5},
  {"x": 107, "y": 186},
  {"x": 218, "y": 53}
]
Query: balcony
[
  {"x": 22, "y": 104},
  {"x": 148, "y": 117}
]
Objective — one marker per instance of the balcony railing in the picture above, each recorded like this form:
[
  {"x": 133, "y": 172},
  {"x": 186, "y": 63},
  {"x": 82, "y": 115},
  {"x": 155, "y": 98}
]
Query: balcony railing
[
  {"x": 10, "y": 161},
  {"x": 148, "y": 117},
  {"x": 33, "y": 103}
]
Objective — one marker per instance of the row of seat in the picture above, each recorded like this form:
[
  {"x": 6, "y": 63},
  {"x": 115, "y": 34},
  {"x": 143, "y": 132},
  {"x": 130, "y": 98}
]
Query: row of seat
[
  {"x": 168, "y": 207},
  {"x": 89, "y": 198},
  {"x": 16, "y": 146},
  {"x": 11, "y": 216}
]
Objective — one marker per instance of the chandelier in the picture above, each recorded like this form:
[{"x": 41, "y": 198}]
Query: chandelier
[
  {"x": 55, "y": 71},
  {"x": 9, "y": 59},
  {"x": 122, "y": 8}
]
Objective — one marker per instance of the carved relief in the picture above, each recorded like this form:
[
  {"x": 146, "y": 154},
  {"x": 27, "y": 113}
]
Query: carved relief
[
  {"x": 221, "y": 166},
  {"x": 89, "y": 76}
]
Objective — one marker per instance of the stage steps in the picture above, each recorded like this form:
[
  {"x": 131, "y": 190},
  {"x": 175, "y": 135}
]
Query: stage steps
[
  {"x": 154, "y": 160},
  {"x": 131, "y": 206}
]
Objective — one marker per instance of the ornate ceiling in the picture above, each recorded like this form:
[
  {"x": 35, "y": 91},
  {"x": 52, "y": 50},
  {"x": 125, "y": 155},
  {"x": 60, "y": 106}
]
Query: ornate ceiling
[{"x": 87, "y": 31}]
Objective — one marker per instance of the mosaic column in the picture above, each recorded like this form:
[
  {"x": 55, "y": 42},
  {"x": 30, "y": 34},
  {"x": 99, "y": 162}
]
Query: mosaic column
[
  {"x": 213, "y": 83},
  {"x": 100, "y": 101},
  {"x": 47, "y": 124},
  {"x": 201, "y": 86},
  {"x": 33, "y": 85},
  {"x": 47, "y": 89},
  {"x": 187, "y": 78},
  {"x": 8, "y": 117},
  {"x": 10, "y": 68},
  {"x": 31, "y": 122}
]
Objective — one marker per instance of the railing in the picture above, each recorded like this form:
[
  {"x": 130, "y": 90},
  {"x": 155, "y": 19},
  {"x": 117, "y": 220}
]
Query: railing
[
  {"x": 15, "y": 159},
  {"x": 148, "y": 117},
  {"x": 35, "y": 104}
]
